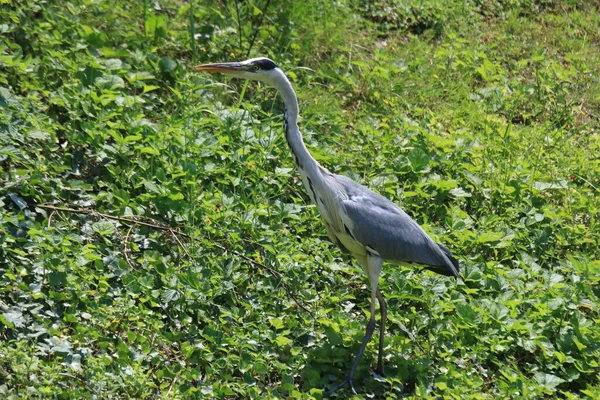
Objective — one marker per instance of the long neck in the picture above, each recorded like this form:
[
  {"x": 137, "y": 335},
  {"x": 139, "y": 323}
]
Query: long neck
[{"x": 304, "y": 160}]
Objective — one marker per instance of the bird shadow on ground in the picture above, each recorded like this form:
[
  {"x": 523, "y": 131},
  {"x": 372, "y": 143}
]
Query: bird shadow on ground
[{"x": 329, "y": 363}]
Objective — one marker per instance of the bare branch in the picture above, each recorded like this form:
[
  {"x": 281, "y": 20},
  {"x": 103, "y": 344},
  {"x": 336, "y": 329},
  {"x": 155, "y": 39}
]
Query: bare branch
[
  {"x": 126, "y": 220},
  {"x": 271, "y": 270}
]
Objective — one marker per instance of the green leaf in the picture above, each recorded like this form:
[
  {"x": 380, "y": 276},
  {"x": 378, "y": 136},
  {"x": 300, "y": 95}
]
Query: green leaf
[
  {"x": 169, "y": 295},
  {"x": 487, "y": 237},
  {"x": 7, "y": 98},
  {"x": 111, "y": 82},
  {"x": 561, "y": 357},
  {"x": 283, "y": 340},
  {"x": 541, "y": 186},
  {"x": 57, "y": 278},
  {"x": 419, "y": 159},
  {"x": 104, "y": 228},
  {"x": 18, "y": 200},
  {"x": 149, "y": 150},
  {"x": 549, "y": 381},
  {"x": 459, "y": 193},
  {"x": 151, "y": 186},
  {"x": 155, "y": 26},
  {"x": 149, "y": 88},
  {"x": 276, "y": 323},
  {"x": 167, "y": 65},
  {"x": 60, "y": 346},
  {"x": 283, "y": 171},
  {"x": 113, "y": 63},
  {"x": 14, "y": 317}
]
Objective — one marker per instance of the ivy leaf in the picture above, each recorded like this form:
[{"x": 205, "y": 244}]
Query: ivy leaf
[
  {"x": 103, "y": 228},
  {"x": 547, "y": 380},
  {"x": 60, "y": 346},
  {"x": 283, "y": 340},
  {"x": 277, "y": 323},
  {"x": 14, "y": 317},
  {"x": 419, "y": 159},
  {"x": 169, "y": 295},
  {"x": 110, "y": 82},
  {"x": 541, "y": 186}
]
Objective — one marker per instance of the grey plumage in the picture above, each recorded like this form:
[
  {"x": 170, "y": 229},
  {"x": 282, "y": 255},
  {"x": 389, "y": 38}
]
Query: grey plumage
[{"x": 384, "y": 227}]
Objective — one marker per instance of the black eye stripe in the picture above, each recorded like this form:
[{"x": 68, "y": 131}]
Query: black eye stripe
[{"x": 265, "y": 64}]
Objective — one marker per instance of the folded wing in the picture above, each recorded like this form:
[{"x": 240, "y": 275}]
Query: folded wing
[{"x": 383, "y": 228}]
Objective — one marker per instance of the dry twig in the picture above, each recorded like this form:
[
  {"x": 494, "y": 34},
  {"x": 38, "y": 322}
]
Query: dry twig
[{"x": 271, "y": 270}]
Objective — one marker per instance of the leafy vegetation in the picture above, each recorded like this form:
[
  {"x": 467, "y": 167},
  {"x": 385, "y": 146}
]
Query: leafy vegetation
[{"x": 155, "y": 240}]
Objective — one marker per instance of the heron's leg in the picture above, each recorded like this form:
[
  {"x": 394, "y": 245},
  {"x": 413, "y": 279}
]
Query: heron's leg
[
  {"x": 361, "y": 350},
  {"x": 363, "y": 346},
  {"x": 383, "y": 310},
  {"x": 373, "y": 269}
]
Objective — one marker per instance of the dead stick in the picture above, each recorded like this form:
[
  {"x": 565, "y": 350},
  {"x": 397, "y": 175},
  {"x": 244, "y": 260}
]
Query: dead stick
[
  {"x": 113, "y": 217},
  {"x": 272, "y": 271},
  {"x": 180, "y": 243},
  {"x": 126, "y": 248}
]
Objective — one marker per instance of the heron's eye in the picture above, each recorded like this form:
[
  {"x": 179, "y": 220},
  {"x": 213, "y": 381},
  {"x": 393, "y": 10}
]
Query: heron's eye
[{"x": 255, "y": 67}]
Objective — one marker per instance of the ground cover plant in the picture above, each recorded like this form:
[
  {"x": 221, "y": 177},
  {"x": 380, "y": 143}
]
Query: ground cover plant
[{"x": 156, "y": 242}]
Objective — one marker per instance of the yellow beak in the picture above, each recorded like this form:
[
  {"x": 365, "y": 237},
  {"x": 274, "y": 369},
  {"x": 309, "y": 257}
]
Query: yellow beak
[{"x": 222, "y": 67}]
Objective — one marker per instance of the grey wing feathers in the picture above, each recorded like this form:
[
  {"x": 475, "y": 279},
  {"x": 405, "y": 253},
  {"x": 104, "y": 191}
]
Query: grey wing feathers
[
  {"x": 452, "y": 259},
  {"x": 394, "y": 235}
]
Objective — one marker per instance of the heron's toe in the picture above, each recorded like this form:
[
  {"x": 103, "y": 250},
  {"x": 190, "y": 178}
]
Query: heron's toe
[
  {"x": 343, "y": 384},
  {"x": 351, "y": 386}
]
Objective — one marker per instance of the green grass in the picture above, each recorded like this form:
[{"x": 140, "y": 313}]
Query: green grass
[{"x": 156, "y": 242}]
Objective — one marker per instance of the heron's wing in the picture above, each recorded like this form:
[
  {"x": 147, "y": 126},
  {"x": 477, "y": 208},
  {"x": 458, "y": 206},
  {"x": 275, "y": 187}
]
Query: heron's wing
[{"x": 381, "y": 226}]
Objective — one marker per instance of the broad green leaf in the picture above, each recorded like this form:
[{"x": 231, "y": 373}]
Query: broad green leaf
[
  {"x": 487, "y": 237},
  {"x": 111, "y": 82},
  {"x": 547, "y": 380},
  {"x": 541, "y": 186},
  {"x": 113, "y": 63},
  {"x": 57, "y": 278},
  {"x": 14, "y": 317},
  {"x": 276, "y": 323},
  {"x": 283, "y": 340},
  {"x": 18, "y": 200},
  {"x": 167, "y": 65},
  {"x": 103, "y": 228},
  {"x": 419, "y": 159},
  {"x": 459, "y": 193},
  {"x": 169, "y": 295}
]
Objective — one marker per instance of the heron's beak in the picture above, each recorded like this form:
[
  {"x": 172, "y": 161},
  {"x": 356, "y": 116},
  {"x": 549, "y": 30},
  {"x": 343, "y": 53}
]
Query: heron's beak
[{"x": 224, "y": 68}]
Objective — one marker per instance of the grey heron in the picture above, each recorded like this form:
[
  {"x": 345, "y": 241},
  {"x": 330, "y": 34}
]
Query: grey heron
[{"x": 359, "y": 221}]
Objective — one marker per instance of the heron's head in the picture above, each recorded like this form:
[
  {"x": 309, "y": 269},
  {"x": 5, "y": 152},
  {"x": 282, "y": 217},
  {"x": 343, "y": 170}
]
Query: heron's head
[{"x": 258, "y": 69}]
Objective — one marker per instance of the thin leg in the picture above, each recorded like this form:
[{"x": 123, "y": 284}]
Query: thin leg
[
  {"x": 361, "y": 350},
  {"x": 373, "y": 269},
  {"x": 383, "y": 310}
]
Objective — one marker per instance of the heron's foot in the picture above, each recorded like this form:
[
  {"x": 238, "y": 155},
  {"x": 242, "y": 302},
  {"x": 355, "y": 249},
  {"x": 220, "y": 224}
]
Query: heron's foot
[
  {"x": 378, "y": 373},
  {"x": 343, "y": 384}
]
